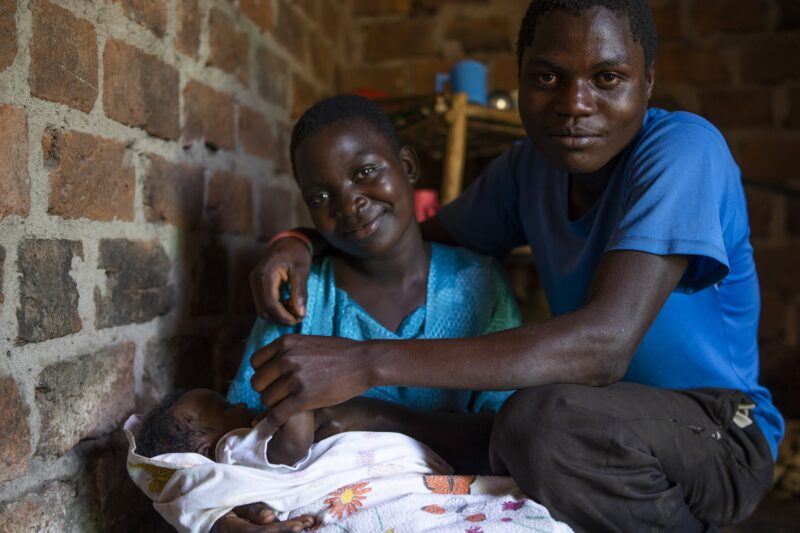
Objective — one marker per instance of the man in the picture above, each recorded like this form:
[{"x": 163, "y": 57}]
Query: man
[{"x": 640, "y": 407}]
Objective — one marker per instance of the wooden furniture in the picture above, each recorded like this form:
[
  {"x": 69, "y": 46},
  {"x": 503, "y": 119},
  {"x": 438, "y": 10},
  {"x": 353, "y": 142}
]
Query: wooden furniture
[{"x": 451, "y": 129}]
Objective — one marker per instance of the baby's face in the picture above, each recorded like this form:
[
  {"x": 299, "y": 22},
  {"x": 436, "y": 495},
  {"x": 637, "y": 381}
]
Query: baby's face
[{"x": 209, "y": 413}]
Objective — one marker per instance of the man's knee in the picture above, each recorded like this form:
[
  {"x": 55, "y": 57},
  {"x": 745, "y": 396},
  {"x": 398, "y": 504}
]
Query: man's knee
[{"x": 534, "y": 424}]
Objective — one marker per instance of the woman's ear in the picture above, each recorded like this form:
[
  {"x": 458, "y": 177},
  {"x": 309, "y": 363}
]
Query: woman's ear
[{"x": 408, "y": 156}]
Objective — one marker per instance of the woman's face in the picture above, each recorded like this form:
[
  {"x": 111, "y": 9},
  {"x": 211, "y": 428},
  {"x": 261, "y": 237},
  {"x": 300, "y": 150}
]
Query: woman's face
[{"x": 357, "y": 189}]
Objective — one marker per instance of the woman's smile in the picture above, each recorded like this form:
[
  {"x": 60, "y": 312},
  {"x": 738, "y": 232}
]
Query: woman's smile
[{"x": 363, "y": 231}]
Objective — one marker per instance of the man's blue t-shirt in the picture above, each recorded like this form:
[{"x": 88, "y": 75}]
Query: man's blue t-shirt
[{"x": 675, "y": 190}]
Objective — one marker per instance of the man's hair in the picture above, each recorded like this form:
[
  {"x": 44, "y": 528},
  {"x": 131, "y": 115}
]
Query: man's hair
[
  {"x": 161, "y": 432},
  {"x": 640, "y": 18},
  {"x": 343, "y": 108}
]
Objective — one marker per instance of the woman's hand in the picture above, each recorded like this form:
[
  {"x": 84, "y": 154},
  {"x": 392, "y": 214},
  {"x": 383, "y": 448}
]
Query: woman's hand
[
  {"x": 257, "y": 518},
  {"x": 287, "y": 260},
  {"x": 303, "y": 372}
]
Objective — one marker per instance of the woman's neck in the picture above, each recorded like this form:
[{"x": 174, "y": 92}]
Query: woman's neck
[{"x": 405, "y": 264}]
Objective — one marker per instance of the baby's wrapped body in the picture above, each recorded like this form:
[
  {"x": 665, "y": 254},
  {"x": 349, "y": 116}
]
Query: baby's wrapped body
[{"x": 191, "y": 491}]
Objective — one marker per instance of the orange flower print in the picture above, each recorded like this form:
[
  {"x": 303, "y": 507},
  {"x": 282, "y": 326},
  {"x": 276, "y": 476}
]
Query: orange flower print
[
  {"x": 347, "y": 500},
  {"x": 434, "y": 509}
]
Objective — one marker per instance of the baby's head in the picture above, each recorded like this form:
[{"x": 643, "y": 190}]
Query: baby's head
[
  {"x": 355, "y": 175},
  {"x": 190, "y": 421}
]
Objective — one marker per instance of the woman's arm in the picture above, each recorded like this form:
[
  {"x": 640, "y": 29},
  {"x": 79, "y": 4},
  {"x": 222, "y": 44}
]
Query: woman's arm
[
  {"x": 461, "y": 439},
  {"x": 592, "y": 345}
]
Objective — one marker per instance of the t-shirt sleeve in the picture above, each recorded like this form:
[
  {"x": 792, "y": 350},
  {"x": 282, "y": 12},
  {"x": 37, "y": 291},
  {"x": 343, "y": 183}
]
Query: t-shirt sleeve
[
  {"x": 672, "y": 202},
  {"x": 485, "y": 218},
  {"x": 263, "y": 333}
]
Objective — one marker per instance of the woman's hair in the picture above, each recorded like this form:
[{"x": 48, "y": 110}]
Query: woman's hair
[
  {"x": 640, "y": 18},
  {"x": 343, "y": 108},
  {"x": 161, "y": 432}
]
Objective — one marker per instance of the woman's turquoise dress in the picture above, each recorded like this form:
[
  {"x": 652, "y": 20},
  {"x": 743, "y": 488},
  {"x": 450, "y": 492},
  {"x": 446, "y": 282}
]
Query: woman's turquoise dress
[{"x": 467, "y": 296}]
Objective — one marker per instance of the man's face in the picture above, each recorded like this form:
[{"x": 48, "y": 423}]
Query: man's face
[{"x": 583, "y": 88}]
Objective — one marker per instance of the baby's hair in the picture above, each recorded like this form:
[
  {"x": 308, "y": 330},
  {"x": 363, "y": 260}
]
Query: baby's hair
[
  {"x": 161, "y": 432},
  {"x": 343, "y": 108}
]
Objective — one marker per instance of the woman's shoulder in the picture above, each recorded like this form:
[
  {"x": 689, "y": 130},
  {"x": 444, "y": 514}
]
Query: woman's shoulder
[{"x": 461, "y": 258}]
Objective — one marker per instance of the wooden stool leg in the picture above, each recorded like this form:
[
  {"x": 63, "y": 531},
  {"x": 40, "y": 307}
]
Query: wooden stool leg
[{"x": 453, "y": 177}]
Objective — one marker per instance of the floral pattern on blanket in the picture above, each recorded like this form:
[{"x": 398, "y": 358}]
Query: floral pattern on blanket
[{"x": 435, "y": 503}]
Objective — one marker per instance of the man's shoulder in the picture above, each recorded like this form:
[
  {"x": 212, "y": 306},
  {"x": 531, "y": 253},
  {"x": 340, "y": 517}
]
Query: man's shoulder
[{"x": 677, "y": 126}]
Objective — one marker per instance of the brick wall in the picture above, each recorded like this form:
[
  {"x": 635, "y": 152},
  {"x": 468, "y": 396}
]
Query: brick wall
[
  {"x": 143, "y": 163},
  {"x": 734, "y": 62}
]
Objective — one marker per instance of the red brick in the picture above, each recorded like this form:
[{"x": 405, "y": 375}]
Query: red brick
[
  {"x": 273, "y": 77},
  {"x": 381, "y": 7},
  {"x": 793, "y": 216},
  {"x": 15, "y": 446},
  {"x": 84, "y": 397},
  {"x": 777, "y": 267},
  {"x": 794, "y": 107},
  {"x": 90, "y": 178},
  {"x": 684, "y": 64},
  {"x": 208, "y": 115},
  {"x": 772, "y": 324},
  {"x": 772, "y": 59},
  {"x": 667, "y": 18},
  {"x": 140, "y": 90},
  {"x": 173, "y": 192},
  {"x": 291, "y": 31},
  {"x": 180, "y": 362},
  {"x": 152, "y": 14},
  {"x": 209, "y": 281},
  {"x": 487, "y": 34},
  {"x": 275, "y": 210},
  {"x": 433, "y": 6},
  {"x": 283, "y": 164},
  {"x": 244, "y": 261},
  {"x": 48, "y": 296},
  {"x": 789, "y": 18},
  {"x": 323, "y": 59},
  {"x": 731, "y": 108},
  {"x": 305, "y": 95},
  {"x": 333, "y": 15},
  {"x": 503, "y": 73},
  {"x": 423, "y": 74},
  {"x": 769, "y": 159},
  {"x": 8, "y": 33},
  {"x": 63, "y": 57},
  {"x": 312, "y": 8},
  {"x": 45, "y": 510},
  {"x": 399, "y": 39},
  {"x": 137, "y": 283},
  {"x": 230, "y": 49},
  {"x": 256, "y": 135},
  {"x": 188, "y": 25},
  {"x": 761, "y": 208},
  {"x": 390, "y": 79},
  {"x": 229, "y": 206},
  {"x": 259, "y": 11},
  {"x": 15, "y": 181},
  {"x": 711, "y": 16}
]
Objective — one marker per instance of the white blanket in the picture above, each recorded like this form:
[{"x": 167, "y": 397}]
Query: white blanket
[{"x": 352, "y": 482}]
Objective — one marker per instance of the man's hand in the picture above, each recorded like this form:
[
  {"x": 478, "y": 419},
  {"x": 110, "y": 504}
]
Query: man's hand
[
  {"x": 303, "y": 372},
  {"x": 287, "y": 260},
  {"x": 257, "y": 518}
]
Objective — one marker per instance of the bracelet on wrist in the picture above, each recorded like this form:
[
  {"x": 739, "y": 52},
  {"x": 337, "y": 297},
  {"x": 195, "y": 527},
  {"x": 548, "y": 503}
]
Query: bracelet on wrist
[{"x": 295, "y": 234}]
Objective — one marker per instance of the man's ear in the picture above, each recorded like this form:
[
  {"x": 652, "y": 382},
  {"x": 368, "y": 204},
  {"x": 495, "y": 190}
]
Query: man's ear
[
  {"x": 408, "y": 156},
  {"x": 650, "y": 79}
]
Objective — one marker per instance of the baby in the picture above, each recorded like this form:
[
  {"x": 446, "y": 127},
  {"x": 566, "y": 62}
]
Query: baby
[
  {"x": 201, "y": 421},
  {"x": 197, "y": 457}
]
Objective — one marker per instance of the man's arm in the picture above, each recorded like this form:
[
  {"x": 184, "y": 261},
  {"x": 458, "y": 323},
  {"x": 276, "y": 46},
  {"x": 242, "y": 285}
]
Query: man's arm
[
  {"x": 461, "y": 439},
  {"x": 592, "y": 345}
]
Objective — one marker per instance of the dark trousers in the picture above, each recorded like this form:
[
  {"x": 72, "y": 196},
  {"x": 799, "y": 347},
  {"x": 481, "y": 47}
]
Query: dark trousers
[{"x": 633, "y": 458}]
